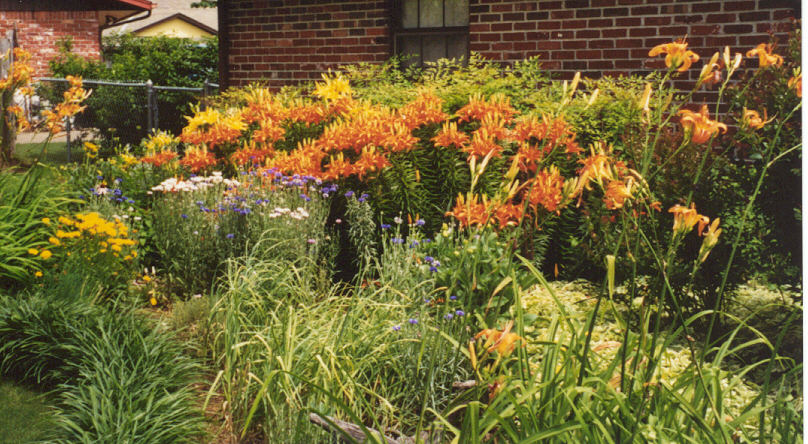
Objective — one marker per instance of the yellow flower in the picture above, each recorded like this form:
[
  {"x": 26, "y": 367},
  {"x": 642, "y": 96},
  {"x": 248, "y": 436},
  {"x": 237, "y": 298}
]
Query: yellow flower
[
  {"x": 502, "y": 341},
  {"x": 33, "y": 251},
  {"x": 54, "y": 241},
  {"x": 38, "y": 274},
  {"x": 795, "y": 83},
  {"x": 334, "y": 88},
  {"x": 678, "y": 56},
  {"x": 146, "y": 278},
  {"x": 710, "y": 239},
  {"x": 46, "y": 221},
  {"x": 764, "y": 53},
  {"x": 46, "y": 254},
  {"x": 153, "y": 301},
  {"x": 699, "y": 125}
]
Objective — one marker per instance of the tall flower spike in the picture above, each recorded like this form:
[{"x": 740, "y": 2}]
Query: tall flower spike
[
  {"x": 700, "y": 126},
  {"x": 678, "y": 56}
]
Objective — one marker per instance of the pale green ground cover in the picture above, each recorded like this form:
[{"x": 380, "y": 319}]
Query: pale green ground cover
[{"x": 25, "y": 415}]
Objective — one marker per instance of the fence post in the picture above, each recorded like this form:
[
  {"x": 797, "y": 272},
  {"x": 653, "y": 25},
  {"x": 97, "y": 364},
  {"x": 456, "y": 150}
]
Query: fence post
[
  {"x": 68, "y": 127},
  {"x": 150, "y": 105},
  {"x": 205, "y": 94}
]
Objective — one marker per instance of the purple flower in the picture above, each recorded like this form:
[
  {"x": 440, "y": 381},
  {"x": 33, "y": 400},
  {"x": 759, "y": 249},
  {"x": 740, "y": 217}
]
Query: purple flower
[
  {"x": 436, "y": 263},
  {"x": 363, "y": 197},
  {"x": 397, "y": 240},
  {"x": 312, "y": 241},
  {"x": 453, "y": 298},
  {"x": 420, "y": 222},
  {"x": 433, "y": 269},
  {"x": 349, "y": 194},
  {"x": 385, "y": 226},
  {"x": 99, "y": 177},
  {"x": 396, "y": 327},
  {"x": 184, "y": 216},
  {"x": 460, "y": 312},
  {"x": 230, "y": 235},
  {"x": 414, "y": 244},
  {"x": 429, "y": 259},
  {"x": 413, "y": 321},
  {"x": 306, "y": 198},
  {"x": 448, "y": 316},
  {"x": 427, "y": 240}
]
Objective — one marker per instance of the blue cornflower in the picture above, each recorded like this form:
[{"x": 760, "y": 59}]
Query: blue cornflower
[
  {"x": 385, "y": 226},
  {"x": 420, "y": 222},
  {"x": 436, "y": 263},
  {"x": 453, "y": 298},
  {"x": 414, "y": 244},
  {"x": 448, "y": 316},
  {"x": 349, "y": 194},
  {"x": 413, "y": 321},
  {"x": 433, "y": 269},
  {"x": 304, "y": 197},
  {"x": 397, "y": 240},
  {"x": 396, "y": 327},
  {"x": 429, "y": 259},
  {"x": 99, "y": 177},
  {"x": 426, "y": 301},
  {"x": 117, "y": 191},
  {"x": 184, "y": 216},
  {"x": 363, "y": 197},
  {"x": 130, "y": 200},
  {"x": 81, "y": 196},
  {"x": 460, "y": 312},
  {"x": 230, "y": 235},
  {"x": 427, "y": 240},
  {"x": 118, "y": 179}
]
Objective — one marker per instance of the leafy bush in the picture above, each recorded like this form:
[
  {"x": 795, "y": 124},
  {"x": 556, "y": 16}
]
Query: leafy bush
[{"x": 120, "y": 113}]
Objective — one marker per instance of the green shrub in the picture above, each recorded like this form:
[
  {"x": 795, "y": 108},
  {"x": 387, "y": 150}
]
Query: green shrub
[{"x": 119, "y": 113}]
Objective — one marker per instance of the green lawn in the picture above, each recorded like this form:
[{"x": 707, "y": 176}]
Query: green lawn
[
  {"x": 55, "y": 154},
  {"x": 24, "y": 414}
]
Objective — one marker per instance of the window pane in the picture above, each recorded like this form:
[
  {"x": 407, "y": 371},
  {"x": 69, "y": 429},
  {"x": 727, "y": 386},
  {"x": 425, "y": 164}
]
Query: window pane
[
  {"x": 434, "y": 47},
  {"x": 409, "y": 14},
  {"x": 457, "y": 12},
  {"x": 410, "y": 46},
  {"x": 431, "y": 13},
  {"x": 457, "y": 47}
]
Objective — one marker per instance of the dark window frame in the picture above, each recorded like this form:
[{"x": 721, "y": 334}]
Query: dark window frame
[{"x": 398, "y": 31}]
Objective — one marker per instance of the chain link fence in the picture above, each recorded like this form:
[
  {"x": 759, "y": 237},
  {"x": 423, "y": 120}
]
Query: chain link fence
[{"x": 123, "y": 112}]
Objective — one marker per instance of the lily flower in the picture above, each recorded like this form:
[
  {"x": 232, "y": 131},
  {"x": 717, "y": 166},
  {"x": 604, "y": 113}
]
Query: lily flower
[
  {"x": 751, "y": 119},
  {"x": 710, "y": 239},
  {"x": 678, "y": 56},
  {"x": 764, "y": 53},
  {"x": 700, "y": 126},
  {"x": 795, "y": 83},
  {"x": 684, "y": 219}
]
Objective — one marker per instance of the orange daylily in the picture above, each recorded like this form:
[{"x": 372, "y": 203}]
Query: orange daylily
[
  {"x": 470, "y": 213},
  {"x": 710, "y": 239},
  {"x": 700, "y": 126},
  {"x": 684, "y": 219},
  {"x": 764, "y": 53},
  {"x": 547, "y": 189},
  {"x": 616, "y": 194},
  {"x": 795, "y": 83},
  {"x": 751, "y": 119},
  {"x": 678, "y": 56},
  {"x": 503, "y": 341},
  {"x": 450, "y": 135}
]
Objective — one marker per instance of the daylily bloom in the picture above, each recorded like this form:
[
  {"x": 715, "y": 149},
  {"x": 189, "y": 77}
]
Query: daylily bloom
[
  {"x": 795, "y": 83},
  {"x": 710, "y": 239},
  {"x": 684, "y": 219},
  {"x": 502, "y": 341},
  {"x": 711, "y": 72},
  {"x": 751, "y": 119},
  {"x": 678, "y": 56},
  {"x": 764, "y": 53},
  {"x": 700, "y": 126}
]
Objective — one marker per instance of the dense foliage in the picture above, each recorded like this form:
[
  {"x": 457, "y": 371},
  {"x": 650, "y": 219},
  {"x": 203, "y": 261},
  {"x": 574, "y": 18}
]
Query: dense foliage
[
  {"x": 376, "y": 249},
  {"x": 120, "y": 113}
]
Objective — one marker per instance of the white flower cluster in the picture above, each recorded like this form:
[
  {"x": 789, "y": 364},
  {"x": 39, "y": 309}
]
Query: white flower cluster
[
  {"x": 299, "y": 213},
  {"x": 172, "y": 185}
]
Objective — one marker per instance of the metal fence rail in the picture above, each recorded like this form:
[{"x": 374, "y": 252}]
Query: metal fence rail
[{"x": 127, "y": 110}]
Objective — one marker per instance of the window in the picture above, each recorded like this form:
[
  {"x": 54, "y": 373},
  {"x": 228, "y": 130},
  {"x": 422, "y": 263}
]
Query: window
[{"x": 429, "y": 30}]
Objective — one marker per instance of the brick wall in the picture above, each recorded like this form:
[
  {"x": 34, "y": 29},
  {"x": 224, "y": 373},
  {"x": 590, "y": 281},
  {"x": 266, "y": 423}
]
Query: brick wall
[
  {"x": 282, "y": 42},
  {"x": 291, "y": 40},
  {"x": 38, "y": 32},
  {"x": 613, "y": 37}
]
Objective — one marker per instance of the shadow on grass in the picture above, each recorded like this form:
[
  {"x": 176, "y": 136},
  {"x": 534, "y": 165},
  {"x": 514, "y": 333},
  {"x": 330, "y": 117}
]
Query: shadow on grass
[
  {"x": 56, "y": 153},
  {"x": 25, "y": 414}
]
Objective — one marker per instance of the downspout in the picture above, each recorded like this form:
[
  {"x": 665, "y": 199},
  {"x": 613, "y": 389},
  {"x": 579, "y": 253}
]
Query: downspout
[{"x": 120, "y": 22}]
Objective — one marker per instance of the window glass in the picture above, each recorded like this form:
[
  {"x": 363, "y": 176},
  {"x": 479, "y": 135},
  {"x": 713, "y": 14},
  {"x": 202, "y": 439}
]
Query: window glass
[
  {"x": 457, "y": 13},
  {"x": 431, "y": 13},
  {"x": 434, "y": 47},
  {"x": 409, "y": 14}
]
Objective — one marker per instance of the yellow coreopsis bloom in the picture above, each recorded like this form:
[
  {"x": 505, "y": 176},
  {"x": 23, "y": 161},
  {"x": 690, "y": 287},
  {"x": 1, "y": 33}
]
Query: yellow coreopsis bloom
[
  {"x": 46, "y": 254},
  {"x": 38, "y": 274},
  {"x": 678, "y": 56},
  {"x": 764, "y": 53},
  {"x": 46, "y": 221},
  {"x": 699, "y": 125},
  {"x": 33, "y": 251}
]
